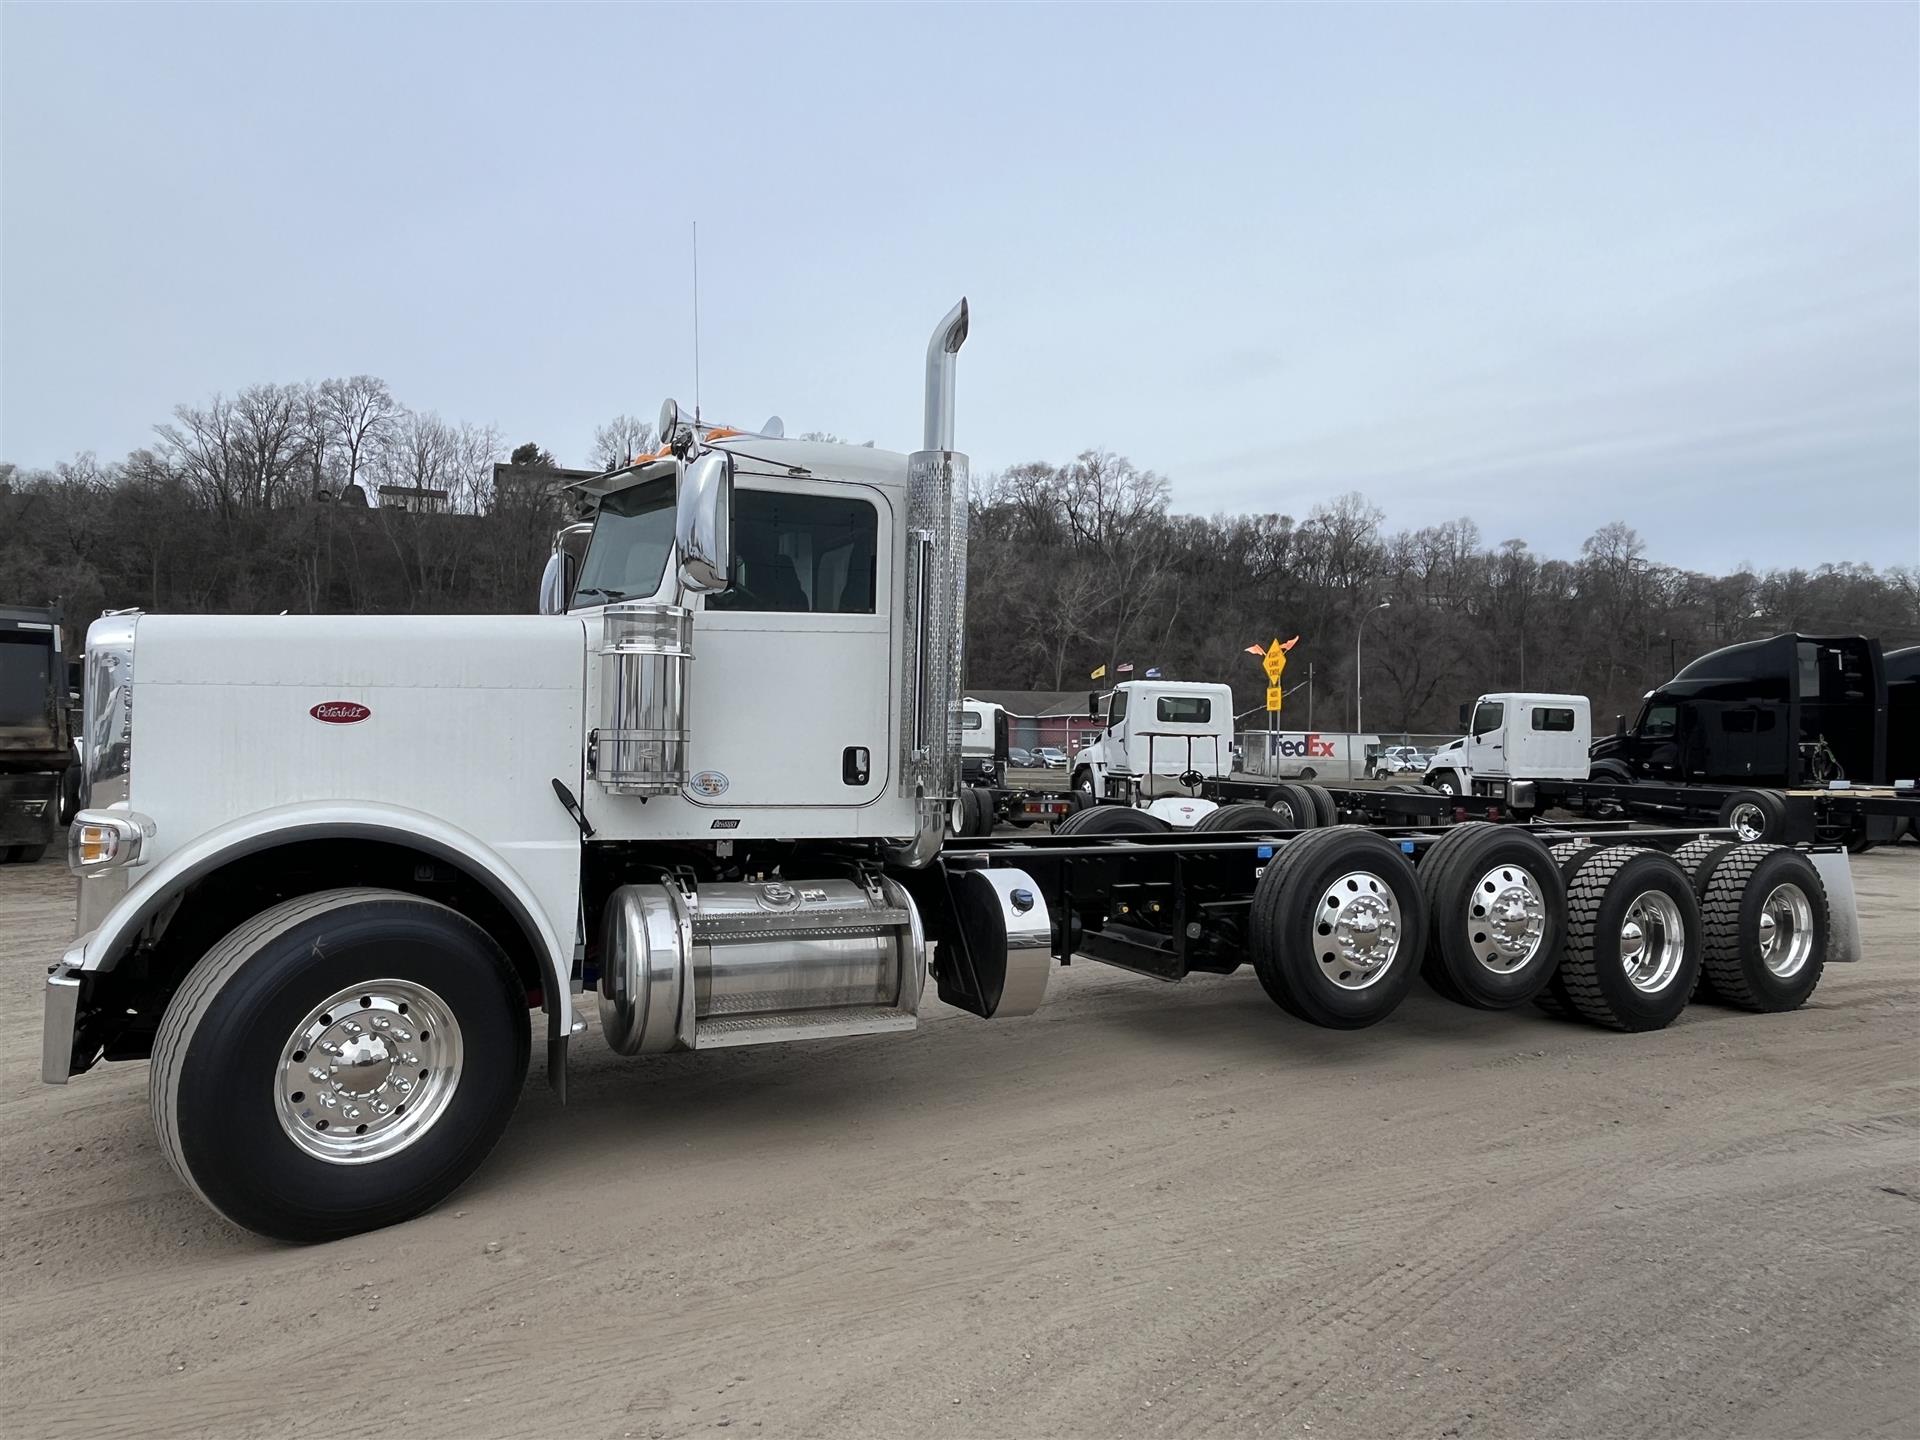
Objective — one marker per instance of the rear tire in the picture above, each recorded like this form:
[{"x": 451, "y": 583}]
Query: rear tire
[
  {"x": 1755, "y": 815},
  {"x": 1111, "y": 820},
  {"x": 1764, "y": 912},
  {"x": 1496, "y": 909},
  {"x": 1327, "y": 812},
  {"x": 1337, "y": 925},
  {"x": 1633, "y": 939},
  {"x": 982, "y": 810},
  {"x": 1246, "y": 815},
  {"x": 232, "y": 1104},
  {"x": 1295, "y": 806}
]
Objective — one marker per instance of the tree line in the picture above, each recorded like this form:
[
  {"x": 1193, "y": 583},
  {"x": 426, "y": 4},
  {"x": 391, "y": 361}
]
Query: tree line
[{"x": 268, "y": 500}]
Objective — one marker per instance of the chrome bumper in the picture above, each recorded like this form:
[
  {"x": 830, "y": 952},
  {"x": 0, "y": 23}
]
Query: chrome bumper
[{"x": 56, "y": 1034}]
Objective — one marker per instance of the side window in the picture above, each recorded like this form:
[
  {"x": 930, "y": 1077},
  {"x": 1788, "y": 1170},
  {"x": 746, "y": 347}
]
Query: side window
[
  {"x": 1661, "y": 721},
  {"x": 1737, "y": 722},
  {"x": 801, "y": 554},
  {"x": 1488, "y": 716},
  {"x": 1116, "y": 708},
  {"x": 1552, "y": 717},
  {"x": 971, "y": 720},
  {"x": 1184, "y": 709}
]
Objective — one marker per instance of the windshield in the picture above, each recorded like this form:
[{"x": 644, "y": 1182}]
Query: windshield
[{"x": 632, "y": 537}]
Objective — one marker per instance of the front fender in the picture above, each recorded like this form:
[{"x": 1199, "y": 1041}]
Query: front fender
[{"x": 540, "y": 919}]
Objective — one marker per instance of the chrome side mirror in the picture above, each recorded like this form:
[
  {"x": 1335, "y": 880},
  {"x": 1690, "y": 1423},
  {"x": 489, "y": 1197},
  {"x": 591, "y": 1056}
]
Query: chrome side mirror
[
  {"x": 555, "y": 585},
  {"x": 703, "y": 523}
]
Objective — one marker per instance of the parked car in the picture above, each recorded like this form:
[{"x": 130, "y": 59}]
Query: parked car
[
  {"x": 1398, "y": 760},
  {"x": 1023, "y": 759},
  {"x": 1051, "y": 756}
]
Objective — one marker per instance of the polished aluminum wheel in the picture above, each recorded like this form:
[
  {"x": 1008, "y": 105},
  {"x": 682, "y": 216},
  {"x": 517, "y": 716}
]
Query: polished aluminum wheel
[
  {"x": 1506, "y": 919},
  {"x": 368, "y": 1072},
  {"x": 1748, "y": 820},
  {"x": 1786, "y": 930},
  {"x": 1356, "y": 930},
  {"x": 1653, "y": 941}
]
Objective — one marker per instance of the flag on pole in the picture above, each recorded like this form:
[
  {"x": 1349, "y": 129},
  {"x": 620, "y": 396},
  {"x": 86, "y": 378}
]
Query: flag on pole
[
  {"x": 1126, "y": 669},
  {"x": 1098, "y": 673},
  {"x": 1153, "y": 672},
  {"x": 1256, "y": 649}
]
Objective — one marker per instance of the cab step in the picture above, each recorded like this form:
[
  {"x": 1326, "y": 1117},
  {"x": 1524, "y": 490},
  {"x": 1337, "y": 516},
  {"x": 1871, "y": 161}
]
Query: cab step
[{"x": 723, "y": 1031}]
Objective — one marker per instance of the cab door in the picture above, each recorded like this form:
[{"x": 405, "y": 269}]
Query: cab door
[
  {"x": 793, "y": 663},
  {"x": 1487, "y": 739}
]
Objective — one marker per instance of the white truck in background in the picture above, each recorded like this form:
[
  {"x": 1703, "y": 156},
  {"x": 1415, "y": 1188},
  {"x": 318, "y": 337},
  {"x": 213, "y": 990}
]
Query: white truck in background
[
  {"x": 1159, "y": 735},
  {"x": 1515, "y": 735}
]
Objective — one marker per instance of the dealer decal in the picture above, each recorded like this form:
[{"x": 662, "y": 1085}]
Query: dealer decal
[{"x": 340, "y": 712}]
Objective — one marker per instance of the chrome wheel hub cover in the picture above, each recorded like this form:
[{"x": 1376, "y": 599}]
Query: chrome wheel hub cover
[
  {"x": 1506, "y": 919},
  {"x": 1356, "y": 930},
  {"x": 1653, "y": 941},
  {"x": 1786, "y": 930},
  {"x": 368, "y": 1072},
  {"x": 1749, "y": 821}
]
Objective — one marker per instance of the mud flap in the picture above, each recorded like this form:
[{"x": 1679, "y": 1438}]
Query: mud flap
[{"x": 1843, "y": 915}]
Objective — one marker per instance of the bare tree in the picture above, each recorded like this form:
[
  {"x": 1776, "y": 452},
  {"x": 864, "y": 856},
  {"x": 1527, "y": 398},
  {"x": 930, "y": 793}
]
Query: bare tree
[
  {"x": 360, "y": 412},
  {"x": 618, "y": 441}
]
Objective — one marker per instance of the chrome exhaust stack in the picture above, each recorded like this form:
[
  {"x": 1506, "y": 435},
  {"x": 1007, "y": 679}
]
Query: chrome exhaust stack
[{"x": 935, "y": 624}]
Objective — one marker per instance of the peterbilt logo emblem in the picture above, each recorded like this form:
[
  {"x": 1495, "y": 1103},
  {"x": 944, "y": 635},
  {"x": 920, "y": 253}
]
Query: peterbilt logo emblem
[{"x": 340, "y": 712}]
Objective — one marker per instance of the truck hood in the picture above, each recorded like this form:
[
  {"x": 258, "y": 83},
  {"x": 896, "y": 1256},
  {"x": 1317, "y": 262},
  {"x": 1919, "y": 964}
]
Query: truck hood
[{"x": 1610, "y": 747}]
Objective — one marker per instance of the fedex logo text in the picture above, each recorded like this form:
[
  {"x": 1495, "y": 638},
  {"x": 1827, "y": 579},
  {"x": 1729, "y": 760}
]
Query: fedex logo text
[{"x": 1312, "y": 748}]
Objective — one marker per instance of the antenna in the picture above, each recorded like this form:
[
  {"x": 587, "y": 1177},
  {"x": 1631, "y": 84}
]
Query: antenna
[{"x": 696, "y": 322}]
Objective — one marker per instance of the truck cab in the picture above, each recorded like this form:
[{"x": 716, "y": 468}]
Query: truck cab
[
  {"x": 1754, "y": 713},
  {"x": 38, "y": 766},
  {"x": 1158, "y": 733},
  {"x": 983, "y": 743},
  {"x": 1515, "y": 735}
]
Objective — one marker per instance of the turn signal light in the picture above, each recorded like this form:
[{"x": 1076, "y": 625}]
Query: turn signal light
[
  {"x": 96, "y": 844},
  {"x": 106, "y": 840}
]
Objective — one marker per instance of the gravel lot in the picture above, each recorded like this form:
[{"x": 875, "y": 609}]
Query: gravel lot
[{"x": 1146, "y": 1210}]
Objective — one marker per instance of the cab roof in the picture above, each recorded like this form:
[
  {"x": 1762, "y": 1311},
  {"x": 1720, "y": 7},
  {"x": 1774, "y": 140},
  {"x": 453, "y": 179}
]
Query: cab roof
[{"x": 761, "y": 455}]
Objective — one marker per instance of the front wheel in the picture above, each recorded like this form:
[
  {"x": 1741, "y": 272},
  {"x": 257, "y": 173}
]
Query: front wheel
[
  {"x": 1445, "y": 781},
  {"x": 340, "y": 1062}
]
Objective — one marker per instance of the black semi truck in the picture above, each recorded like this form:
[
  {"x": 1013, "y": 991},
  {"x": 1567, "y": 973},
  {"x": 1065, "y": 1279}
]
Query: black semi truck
[
  {"x": 39, "y": 767},
  {"x": 1787, "y": 711}
]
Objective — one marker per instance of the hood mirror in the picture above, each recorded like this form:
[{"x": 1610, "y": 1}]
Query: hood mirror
[{"x": 703, "y": 523}]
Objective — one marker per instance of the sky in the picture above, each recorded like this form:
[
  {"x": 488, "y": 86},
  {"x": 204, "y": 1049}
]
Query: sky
[{"x": 1544, "y": 266}]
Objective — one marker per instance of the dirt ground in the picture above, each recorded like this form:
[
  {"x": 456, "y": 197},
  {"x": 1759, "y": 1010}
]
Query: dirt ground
[{"x": 1146, "y": 1210}]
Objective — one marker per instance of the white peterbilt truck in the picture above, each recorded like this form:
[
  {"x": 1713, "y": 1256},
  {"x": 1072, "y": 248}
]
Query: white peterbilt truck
[{"x": 419, "y": 830}]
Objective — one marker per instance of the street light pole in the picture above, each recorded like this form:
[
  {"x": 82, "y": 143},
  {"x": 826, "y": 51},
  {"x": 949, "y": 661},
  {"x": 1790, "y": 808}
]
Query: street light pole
[{"x": 1361, "y": 629}]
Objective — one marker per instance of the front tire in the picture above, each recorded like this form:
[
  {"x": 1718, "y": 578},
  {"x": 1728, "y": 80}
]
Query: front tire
[
  {"x": 287, "y": 1063},
  {"x": 1445, "y": 781}
]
